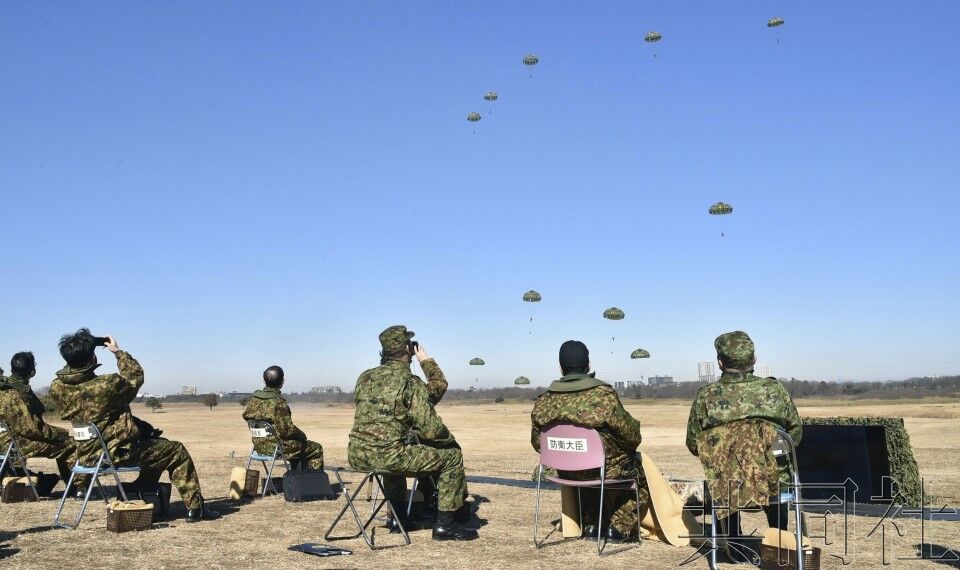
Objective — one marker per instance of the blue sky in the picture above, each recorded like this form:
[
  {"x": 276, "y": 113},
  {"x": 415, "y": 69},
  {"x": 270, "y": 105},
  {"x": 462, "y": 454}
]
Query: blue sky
[{"x": 225, "y": 186}]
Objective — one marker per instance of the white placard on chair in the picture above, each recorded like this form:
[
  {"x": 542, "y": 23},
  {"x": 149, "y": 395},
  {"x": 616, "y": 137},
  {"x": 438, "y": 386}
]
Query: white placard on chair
[
  {"x": 259, "y": 432},
  {"x": 574, "y": 444},
  {"x": 83, "y": 433}
]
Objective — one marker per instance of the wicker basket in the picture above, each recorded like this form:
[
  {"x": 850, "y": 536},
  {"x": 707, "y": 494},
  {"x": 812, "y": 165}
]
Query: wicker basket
[
  {"x": 773, "y": 558},
  {"x": 132, "y": 515}
]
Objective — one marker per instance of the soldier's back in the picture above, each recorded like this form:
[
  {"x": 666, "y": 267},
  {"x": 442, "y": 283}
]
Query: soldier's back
[
  {"x": 590, "y": 408},
  {"x": 380, "y": 419}
]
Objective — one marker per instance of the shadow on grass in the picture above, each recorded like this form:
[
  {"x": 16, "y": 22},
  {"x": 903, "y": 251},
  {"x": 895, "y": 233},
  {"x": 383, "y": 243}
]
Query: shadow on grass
[
  {"x": 939, "y": 554},
  {"x": 6, "y": 535}
]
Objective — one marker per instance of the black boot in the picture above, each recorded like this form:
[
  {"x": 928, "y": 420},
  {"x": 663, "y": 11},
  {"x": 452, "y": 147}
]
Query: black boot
[
  {"x": 616, "y": 537},
  {"x": 448, "y": 529},
  {"x": 201, "y": 513}
]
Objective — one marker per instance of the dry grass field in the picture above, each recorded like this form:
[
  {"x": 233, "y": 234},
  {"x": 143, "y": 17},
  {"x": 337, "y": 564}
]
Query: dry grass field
[{"x": 495, "y": 440}]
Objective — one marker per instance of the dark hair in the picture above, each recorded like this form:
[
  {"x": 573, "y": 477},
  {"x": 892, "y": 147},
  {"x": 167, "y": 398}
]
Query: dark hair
[
  {"x": 574, "y": 358},
  {"x": 580, "y": 370},
  {"x": 77, "y": 348},
  {"x": 22, "y": 364},
  {"x": 273, "y": 377},
  {"x": 395, "y": 355}
]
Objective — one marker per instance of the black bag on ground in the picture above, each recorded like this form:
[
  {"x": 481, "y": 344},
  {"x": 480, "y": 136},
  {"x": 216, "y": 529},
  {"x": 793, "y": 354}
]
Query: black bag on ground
[
  {"x": 307, "y": 486},
  {"x": 157, "y": 494},
  {"x": 46, "y": 482}
]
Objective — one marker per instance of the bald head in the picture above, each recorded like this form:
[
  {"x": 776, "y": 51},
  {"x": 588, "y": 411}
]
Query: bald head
[{"x": 273, "y": 377}]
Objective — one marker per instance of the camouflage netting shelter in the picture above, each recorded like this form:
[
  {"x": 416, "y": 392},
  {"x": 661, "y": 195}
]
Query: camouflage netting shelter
[{"x": 903, "y": 465}]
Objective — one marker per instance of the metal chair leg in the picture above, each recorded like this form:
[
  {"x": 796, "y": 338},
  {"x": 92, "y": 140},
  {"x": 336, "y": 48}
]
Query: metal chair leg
[
  {"x": 413, "y": 492},
  {"x": 350, "y": 498},
  {"x": 63, "y": 499},
  {"x": 536, "y": 511},
  {"x": 600, "y": 541},
  {"x": 712, "y": 559}
]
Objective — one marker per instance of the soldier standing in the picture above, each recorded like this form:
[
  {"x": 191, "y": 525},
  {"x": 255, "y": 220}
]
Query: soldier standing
[
  {"x": 104, "y": 400},
  {"x": 23, "y": 413},
  {"x": 268, "y": 405},
  {"x": 392, "y": 404},
  {"x": 579, "y": 398},
  {"x": 739, "y": 395}
]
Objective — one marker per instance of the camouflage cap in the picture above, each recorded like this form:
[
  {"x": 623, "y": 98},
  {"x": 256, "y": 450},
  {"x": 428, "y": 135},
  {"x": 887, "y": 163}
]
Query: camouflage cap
[
  {"x": 735, "y": 350},
  {"x": 394, "y": 338}
]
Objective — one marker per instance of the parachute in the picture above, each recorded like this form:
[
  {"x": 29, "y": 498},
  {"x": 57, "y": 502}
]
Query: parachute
[
  {"x": 531, "y": 296},
  {"x": 774, "y": 22},
  {"x": 614, "y": 314},
  {"x": 473, "y": 117},
  {"x": 652, "y": 38},
  {"x": 522, "y": 381},
  {"x": 531, "y": 60},
  {"x": 477, "y": 362},
  {"x": 490, "y": 96},
  {"x": 720, "y": 209},
  {"x": 639, "y": 353}
]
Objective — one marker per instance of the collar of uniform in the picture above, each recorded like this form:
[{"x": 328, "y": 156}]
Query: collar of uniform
[
  {"x": 17, "y": 382},
  {"x": 735, "y": 377},
  {"x": 267, "y": 393},
  {"x": 576, "y": 383},
  {"x": 69, "y": 375},
  {"x": 398, "y": 364}
]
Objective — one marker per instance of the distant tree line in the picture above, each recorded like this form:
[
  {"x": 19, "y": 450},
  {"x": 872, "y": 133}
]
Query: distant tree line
[{"x": 942, "y": 386}]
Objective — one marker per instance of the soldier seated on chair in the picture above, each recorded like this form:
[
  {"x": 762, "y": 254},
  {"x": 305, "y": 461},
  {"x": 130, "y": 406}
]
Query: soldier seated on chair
[
  {"x": 23, "y": 412},
  {"x": 579, "y": 398},
  {"x": 735, "y": 419},
  {"x": 83, "y": 396},
  {"x": 392, "y": 402},
  {"x": 268, "y": 405}
]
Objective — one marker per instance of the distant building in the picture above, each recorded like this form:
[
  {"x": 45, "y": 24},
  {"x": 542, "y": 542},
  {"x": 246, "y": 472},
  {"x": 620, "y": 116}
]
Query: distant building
[
  {"x": 762, "y": 370},
  {"x": 325, "y": 390},
  {"x": 188, "y": 390},
  {"x": 634, "y": 383},
  {"x": 660, "y": 380},
  {"x": 706, "y": 372},
  {"x": 619, "y": 386}
]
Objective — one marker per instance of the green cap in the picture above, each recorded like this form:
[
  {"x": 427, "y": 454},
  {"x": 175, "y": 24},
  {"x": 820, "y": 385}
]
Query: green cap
[
  {"x": 735, "y": 351},
  {"x": 394, "y": 338}
]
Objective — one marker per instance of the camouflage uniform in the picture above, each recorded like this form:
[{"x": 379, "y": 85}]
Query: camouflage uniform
[
  {"x": 269, "y": 406},
  {"x": 582, "y": 400},
  {"x": 737, "y": 396},
  {"x": 23, "y": 413},
  {"x": 104, "y": 400},
  {"x": 392, "y": 402}
]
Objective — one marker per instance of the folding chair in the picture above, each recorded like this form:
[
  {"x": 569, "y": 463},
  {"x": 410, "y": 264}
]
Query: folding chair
[
  {"x": 567, "y": 447},
  {"x": 782, "y": 448},
  {"x": 413, "y": 492},
  {"x": 265, "y": 429},
  {"x": 104, "y": 466},
  {"x": 14, "y": 459},
  {"x": 379, "y": 498}
]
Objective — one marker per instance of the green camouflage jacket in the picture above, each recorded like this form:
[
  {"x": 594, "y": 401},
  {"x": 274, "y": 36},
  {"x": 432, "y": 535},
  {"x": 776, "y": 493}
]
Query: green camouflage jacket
[
  {"x": 269, "y": 406},
  {"x": 436, "y": 381},
  {"x": 391, "y": 401},
  {"x": 738, "y": 397},
  {"x": 23, "y": 413},
  {"x": 83, "y": 396},
  {"x": 739, "y": 463},
  {"x": 582, "y": 400}
]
